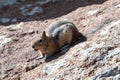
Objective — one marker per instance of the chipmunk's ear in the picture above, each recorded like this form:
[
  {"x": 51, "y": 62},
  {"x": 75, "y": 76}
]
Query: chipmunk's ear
[{"x": 44, "y": 35}]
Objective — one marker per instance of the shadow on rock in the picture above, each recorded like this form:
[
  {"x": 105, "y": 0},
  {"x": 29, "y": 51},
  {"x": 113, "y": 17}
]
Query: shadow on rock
[{"x": 23, "y": 12}]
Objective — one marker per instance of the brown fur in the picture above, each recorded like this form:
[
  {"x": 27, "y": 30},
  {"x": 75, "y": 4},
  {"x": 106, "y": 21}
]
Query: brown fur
[{"x": 55, "y": 37}]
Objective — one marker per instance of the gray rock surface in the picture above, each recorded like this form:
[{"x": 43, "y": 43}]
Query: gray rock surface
[{"x": 98, "y": 58}]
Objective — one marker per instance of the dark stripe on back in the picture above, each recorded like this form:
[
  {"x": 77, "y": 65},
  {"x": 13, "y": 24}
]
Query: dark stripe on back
[{"x": 57, "y": 34}]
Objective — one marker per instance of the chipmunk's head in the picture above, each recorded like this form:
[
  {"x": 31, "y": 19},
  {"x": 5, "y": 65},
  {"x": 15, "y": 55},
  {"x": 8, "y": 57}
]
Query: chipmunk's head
[{"x": 41, "y": 43}]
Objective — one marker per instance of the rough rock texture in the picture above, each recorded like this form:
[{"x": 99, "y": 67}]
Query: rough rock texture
[
  {"x": 19, "y": 10},
  {"x": 98, "y": 58},
  {"x": 11, "y": 2}
]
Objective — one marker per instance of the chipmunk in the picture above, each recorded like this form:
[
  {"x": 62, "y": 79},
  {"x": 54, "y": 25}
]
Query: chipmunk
[
  {"x": 55, "y": 37},
  {"x": 58, "y": 35}
]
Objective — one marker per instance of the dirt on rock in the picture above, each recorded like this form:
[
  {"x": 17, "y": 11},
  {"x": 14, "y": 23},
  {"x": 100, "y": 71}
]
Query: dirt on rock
[{"x": 94, "y": 59}]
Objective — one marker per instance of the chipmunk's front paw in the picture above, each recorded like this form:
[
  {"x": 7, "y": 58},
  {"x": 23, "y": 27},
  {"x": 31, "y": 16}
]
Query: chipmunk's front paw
[{"x": 41, "y": 55}]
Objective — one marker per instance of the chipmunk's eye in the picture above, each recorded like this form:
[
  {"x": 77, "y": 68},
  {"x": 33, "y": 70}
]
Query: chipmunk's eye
[{"x": 40, "y": 40}]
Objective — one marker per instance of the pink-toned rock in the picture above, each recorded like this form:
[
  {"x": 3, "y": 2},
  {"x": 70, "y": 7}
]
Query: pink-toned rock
[{"x": 98, "y": 58}]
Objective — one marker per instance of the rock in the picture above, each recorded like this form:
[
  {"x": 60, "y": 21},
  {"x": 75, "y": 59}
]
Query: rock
[
  {"x": 118, "y": 6},
  {"x": 26, "y": 10},
  {"x": 98, "y": 58},
  {"x": 14, "y": 27},
  {"x": 14, "y": 20},
  {"x": 4, "y": 40},
  {"x": 4, "y": 20},
  {"x": 92, "y": 12},
  {"x": 109, "y": 74},
  {"x": 6, "y": 2}
]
